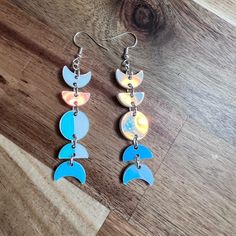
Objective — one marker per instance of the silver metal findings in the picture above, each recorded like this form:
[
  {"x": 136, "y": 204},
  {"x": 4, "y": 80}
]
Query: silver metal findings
[{"x": 133, "y": 124}]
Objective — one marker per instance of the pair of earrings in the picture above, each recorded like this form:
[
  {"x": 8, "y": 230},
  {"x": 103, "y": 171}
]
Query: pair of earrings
[{"x": 74, "y": 124}]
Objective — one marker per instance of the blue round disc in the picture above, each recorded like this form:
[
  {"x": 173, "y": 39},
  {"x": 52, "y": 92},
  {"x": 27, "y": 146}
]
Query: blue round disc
[{"x": 71, "y": 124}]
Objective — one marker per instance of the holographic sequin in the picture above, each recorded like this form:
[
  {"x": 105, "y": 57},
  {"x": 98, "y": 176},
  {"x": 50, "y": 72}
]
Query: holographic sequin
[
  {"x": 71, "y": 124},
  {"x": 71, "y": 78},
  {"x": 134, "y": 125},
  {"x": 132, "y": 152},
  {"x": 124, "y": 80},
  {"x": 132, "y": 172},
  {"x": 68, "y": 151},
  {"x": 72, "y": 100},
  {"x": 74, "y": 169},
  {"x": 126, "y": 100}
]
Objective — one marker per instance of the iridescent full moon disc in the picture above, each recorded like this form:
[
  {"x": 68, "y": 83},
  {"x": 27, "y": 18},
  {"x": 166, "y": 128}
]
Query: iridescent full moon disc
[
  {"x": 134, "y": 125},
  {"x": 71, "y": 125}
]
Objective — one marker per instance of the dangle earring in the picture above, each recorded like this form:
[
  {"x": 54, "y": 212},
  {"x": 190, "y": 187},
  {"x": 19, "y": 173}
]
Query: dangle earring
[
  {"x": 74, "y": 124},
  {"x": 133, "y": 124}
]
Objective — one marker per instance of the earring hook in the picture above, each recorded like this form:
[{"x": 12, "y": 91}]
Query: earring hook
[
  {"x": 81, "y": 48},
  {"x": 126, "y": 52},
  {"x": 126, "y": 62}
]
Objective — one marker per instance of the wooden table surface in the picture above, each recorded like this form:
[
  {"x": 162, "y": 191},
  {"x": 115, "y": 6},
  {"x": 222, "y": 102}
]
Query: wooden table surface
[{"x": 187, "y": 49}]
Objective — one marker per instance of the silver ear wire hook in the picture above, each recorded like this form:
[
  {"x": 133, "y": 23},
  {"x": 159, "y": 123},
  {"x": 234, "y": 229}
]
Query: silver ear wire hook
[
  {"x": 126, "y": 50},
  {"x": 81, "y": 48},
  {"x": 125, "y": 62},
  {"x": 76, "y": 61}
]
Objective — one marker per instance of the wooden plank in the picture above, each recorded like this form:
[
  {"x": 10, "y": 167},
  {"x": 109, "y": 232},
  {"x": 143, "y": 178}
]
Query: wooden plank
[
  {"x": 116, "y": 225},
  {"x": 188, "y": 57},
  {"x": 186, "y": 51},
  {"x": 32, "y": 204},
  {"x": 225, "y": 10},
  {"x": 194, "y": 193},
  {"x": 31, "y": 90}
]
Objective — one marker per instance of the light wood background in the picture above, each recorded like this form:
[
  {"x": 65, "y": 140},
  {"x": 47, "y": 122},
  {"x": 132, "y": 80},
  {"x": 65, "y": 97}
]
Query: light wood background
[{"x": 187, "y": 49}]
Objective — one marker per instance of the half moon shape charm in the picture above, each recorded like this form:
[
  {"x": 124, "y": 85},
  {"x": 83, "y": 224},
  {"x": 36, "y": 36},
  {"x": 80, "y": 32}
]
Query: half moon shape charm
[
  {"x": 66, "y": 169},
  {"x": 72, "y": 100},
  {"x": 123, "y": 79},
  {"x": 68, "y": 151},
  {"x": 134, "y": 125},
  {"x": 131, "y": 153},
  {"x": 71, "y": 78},
  {"x": 132, "y": 172},
  {"x": 71, "y": 124},
  {"x": 126, "y": 100}
]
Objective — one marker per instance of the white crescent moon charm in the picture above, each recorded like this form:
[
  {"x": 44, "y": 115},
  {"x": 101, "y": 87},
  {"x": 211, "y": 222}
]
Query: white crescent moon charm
[
  {"x": 71, "y": 78},
  {"x": 124, "y": 79}
]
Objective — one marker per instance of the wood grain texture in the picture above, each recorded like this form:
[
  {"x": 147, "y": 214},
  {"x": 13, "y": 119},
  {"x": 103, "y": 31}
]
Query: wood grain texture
[
  {"x": 116, "y": 225},
  {"x": 31, "y": 89},
  {"x": 187, "y": 50},
  {"x": 225, "y": 10},
  {"x": 31, "y": 204},
  {"x": 195, "y": 188}
]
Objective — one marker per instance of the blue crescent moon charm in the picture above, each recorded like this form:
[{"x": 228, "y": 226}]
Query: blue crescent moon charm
[
  {"x": 131, "y": 153},
  {"x": 71, "y": 124},
  {"x": 68, "y": 151},
  {"x": 71, "y": 78},
  {"x": 66, "y": 169},
  {"x": 132, "y": 172}
]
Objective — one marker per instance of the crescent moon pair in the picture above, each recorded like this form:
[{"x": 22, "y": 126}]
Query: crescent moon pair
[
  {"x": 132, "y": 172},
  {"x": 123, "y": 79}
]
